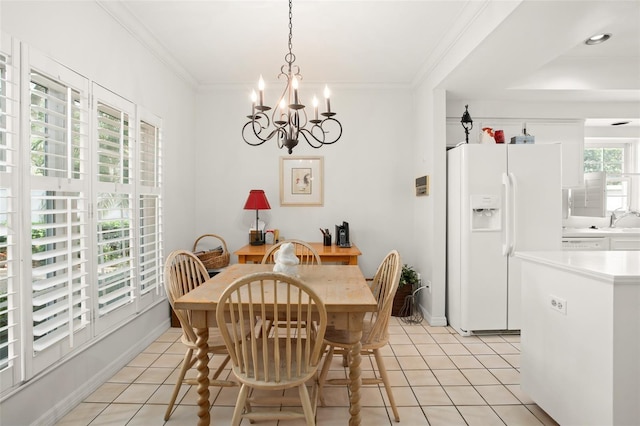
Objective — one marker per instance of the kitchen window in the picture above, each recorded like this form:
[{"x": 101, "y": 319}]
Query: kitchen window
[{"x": 614, "y": 160}]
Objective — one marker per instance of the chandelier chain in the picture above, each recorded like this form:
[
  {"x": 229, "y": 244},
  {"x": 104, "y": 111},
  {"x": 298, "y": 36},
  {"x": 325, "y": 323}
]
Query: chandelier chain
[
  {"x": 290, "y": 58},
  {"x": 290, "y": 26}
]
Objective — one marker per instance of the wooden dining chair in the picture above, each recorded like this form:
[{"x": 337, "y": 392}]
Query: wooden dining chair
[
  {"x": 375, "y": 334},
  {"x": 304, "y": 252},
  {"x": 307, "y": 254},
  {"x": 285, "y": 358},
  {"x": 183, "y": 272}
]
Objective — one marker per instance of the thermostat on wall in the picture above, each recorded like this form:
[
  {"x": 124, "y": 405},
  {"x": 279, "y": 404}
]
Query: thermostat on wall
[{"x": 422, "y": 185}]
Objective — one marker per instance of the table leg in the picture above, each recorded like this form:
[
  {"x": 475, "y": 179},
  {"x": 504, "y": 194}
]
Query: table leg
[
  {"x": 355, "y": 383},
  {"x": 202, "y": 365}
]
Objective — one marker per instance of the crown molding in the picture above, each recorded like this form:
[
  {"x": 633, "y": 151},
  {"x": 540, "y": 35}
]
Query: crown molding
[
  {"x": 121, "y": 14},
  {"x": 460, "y": 25}
]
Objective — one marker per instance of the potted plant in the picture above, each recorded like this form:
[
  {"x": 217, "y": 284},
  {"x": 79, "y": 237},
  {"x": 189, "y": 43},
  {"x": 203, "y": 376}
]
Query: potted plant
[{"x": 408, "y": 282}]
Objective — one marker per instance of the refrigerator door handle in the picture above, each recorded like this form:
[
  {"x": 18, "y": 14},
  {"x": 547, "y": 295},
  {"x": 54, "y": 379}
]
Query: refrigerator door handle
[
  {"x": 506, "y": 235},
  {"x": 514, "y": 211}
]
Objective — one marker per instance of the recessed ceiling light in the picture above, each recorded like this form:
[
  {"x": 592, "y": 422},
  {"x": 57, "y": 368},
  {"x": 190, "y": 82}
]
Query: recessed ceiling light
[
  {"x": 597, "y": 39},
  {"x": 620, "y": 123}
]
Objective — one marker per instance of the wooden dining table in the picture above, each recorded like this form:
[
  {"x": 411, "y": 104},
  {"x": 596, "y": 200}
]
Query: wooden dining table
[
  {"x": 328, "y": 254},
  {"x": 342, "y": 288}
]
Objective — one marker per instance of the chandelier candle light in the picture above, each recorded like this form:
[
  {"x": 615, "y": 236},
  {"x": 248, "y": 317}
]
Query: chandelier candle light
[{"x": 290, "y": 121}]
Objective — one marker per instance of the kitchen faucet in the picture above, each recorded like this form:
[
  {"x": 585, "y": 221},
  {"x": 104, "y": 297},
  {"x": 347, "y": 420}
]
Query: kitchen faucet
[{"x": 615, "y": 219}]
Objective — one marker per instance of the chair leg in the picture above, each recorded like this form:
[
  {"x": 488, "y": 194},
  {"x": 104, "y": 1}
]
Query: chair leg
[
  {"x": 240, "y": 404},
  {"x": 346, "y": 358},
  {"x": 221, "y": 367},
  {"x": 385, "y": 380},
  {"x": 186, "y": 364},
  {"x": 323, "y": 374},
  {"x": 307, "y": 408}
]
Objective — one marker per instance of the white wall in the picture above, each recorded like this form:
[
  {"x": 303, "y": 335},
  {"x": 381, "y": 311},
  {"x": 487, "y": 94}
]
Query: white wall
[
  {"x": 368, "y": 174},
  {"x": 85, "y": 38},
  {"x": 429, "y": 121},
  {"x": 430, "y": 216}
]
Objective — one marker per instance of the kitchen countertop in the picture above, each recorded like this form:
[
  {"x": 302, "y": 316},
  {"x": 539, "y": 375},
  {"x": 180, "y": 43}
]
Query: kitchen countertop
[
  {"x": 600, "y": 232},
  {"x": 614, "y": 266}
]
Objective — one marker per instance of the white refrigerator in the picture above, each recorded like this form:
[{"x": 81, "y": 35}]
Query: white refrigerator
[{"x": 501, "y": 199}]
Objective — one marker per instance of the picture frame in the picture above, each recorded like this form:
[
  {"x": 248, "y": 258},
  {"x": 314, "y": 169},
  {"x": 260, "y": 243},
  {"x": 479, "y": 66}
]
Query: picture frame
[{"x": 301, "y": 181}]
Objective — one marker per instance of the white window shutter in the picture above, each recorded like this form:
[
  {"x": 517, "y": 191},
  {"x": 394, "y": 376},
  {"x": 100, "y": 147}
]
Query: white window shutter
[
  {"x": 58, "y": 203},
  {"x": 115, "y": 208},
  {"x": 80, "y": 212},
  {"x": 10, "y": 360},
  {"x": 59, "y": 267},
  {"x": 150, "y": 210}
]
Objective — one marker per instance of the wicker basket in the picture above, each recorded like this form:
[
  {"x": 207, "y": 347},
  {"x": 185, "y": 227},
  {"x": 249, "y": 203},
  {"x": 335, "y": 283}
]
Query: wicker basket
[{"x": 213, "y": 259}]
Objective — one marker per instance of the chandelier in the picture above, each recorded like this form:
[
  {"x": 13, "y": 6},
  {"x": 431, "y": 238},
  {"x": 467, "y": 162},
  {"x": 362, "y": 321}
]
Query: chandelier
[{"x": 289, "y": 121}]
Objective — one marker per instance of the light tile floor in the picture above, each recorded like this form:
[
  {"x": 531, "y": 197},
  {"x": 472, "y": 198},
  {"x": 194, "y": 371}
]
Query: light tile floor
[{"x": 438, "y": 378}]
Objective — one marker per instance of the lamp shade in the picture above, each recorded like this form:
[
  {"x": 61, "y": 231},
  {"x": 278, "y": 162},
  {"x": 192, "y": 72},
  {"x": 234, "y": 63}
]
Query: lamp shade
[{"x": 257, "y": 200}]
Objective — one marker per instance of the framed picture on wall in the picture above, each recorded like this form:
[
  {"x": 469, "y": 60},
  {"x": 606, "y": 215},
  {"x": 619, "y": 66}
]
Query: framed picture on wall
[{"x": 301, "y": 181}]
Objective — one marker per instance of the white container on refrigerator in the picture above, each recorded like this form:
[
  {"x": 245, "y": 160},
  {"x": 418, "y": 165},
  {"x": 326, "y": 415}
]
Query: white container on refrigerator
[{"x": 501, "y": 199}]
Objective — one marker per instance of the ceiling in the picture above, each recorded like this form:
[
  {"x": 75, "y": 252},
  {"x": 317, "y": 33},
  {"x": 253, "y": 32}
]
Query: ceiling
[{"x": 536, "y": 53}]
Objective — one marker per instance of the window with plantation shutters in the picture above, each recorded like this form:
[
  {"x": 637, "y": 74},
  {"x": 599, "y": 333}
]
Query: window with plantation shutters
[
  {"x": 612, "y": 157},
  {"x": 8, "y": 283},
  {"x": 80, "y": 212},
  {"x": 8, "y": 111},
  {"x": 60, "y": 292},
  {"x": 150, "y": 210},
  {"x": 114, "y": 152},
  {"x": 115, "y": 246},
  {"x": 56, "y": 120},
  {"x": 58, "y": 202},
  {"x": 150, "y": 244},
  {"x": 150, "y": 158},
  {"x": 115, "y": 208},
  {"x": 9, "y": 279}
]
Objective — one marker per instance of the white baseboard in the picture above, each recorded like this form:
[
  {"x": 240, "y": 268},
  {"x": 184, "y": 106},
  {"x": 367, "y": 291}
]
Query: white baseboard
[
  {"x": 50, "y": 395},
  {"x": 433, "y": 321}
]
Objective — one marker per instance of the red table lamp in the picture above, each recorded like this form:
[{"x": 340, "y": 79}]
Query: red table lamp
[{"x": 257, "y": 200}]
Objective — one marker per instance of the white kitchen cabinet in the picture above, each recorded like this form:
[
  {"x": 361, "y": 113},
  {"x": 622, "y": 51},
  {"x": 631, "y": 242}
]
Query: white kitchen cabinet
[
  {"x": 624, "y": 243},
  {"x": 568, "y": 132},
  {"x": 580, "y": 337},
  {"x": 601, "y": 239}
]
